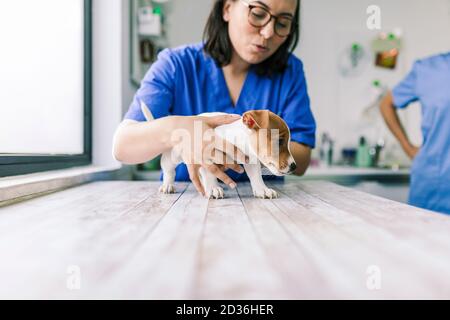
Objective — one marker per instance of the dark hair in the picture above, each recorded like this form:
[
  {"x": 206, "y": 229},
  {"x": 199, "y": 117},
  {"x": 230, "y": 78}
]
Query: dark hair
[{"x": 218, "y": 44}]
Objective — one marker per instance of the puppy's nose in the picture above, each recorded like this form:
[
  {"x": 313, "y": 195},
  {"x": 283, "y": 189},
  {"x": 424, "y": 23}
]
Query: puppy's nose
[{"x": 292, "y": 167}]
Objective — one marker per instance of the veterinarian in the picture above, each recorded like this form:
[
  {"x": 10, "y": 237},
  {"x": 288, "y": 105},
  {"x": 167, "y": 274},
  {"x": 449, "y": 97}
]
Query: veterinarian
[
  {"x": 429, "y": 83},
  {"x": 245, "y": 62}
]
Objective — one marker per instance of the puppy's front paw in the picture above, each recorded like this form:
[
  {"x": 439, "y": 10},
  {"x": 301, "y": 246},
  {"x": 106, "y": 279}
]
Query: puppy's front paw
[
  {"x": 265, "y": 193},
  {"x": 214, "y": 193},
  {"x": 167, "y": 188}
]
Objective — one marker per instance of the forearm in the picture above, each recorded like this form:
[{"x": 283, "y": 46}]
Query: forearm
[
  {"x": 302, "y": 157},
  {"x": 140, "y": 142},
  {"x": 392, "y": 120}
]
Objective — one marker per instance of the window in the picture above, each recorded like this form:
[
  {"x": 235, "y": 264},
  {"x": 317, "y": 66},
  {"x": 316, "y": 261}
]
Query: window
[{"x": 45, "y": 81}]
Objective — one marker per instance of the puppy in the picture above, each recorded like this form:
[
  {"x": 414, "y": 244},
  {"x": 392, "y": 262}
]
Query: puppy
[{"x": 260, "y": 134}]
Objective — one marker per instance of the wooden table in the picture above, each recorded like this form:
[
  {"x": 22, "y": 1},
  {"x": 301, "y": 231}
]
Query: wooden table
[{"x": 121, "y": 239}]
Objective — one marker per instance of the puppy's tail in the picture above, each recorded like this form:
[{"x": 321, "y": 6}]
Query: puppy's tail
[{"x": 146, "y": 111}]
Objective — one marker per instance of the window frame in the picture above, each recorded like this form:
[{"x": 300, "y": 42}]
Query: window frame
[{"x": 15, "y": 164}]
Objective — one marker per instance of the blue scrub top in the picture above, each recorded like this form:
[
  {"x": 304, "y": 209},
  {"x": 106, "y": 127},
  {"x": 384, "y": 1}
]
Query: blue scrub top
[
  {"x": 186, "y": 81},
  {"x": 429, "y": 83}
]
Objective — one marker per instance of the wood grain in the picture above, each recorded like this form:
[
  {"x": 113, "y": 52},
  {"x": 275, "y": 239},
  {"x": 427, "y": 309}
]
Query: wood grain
[{"x": 318, "y": 240}]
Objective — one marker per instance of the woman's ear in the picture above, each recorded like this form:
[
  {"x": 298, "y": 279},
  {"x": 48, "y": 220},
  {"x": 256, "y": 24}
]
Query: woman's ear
[
  {"x": 256, "y": 119},
  {"x": 226, "y": 10}
]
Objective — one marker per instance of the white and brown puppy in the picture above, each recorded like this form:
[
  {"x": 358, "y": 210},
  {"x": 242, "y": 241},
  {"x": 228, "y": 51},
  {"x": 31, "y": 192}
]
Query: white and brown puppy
[{"x": 260, "y": 134}]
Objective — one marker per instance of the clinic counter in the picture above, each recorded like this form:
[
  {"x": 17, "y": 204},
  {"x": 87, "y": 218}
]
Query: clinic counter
[
  {"x": 338, "y": 174},
  {"x": 351, "y": 175}
]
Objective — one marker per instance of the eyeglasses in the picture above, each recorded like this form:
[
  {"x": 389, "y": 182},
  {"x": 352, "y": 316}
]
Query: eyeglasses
[{"x": 259, "y": 17}]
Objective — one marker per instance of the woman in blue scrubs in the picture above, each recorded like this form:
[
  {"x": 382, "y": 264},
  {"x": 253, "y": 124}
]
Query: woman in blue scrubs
[
  {"x": 245, "y": 62},
  {"x": 429, "y": 83}
]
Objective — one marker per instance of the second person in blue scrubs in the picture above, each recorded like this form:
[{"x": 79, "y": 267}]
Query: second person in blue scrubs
[
  {"x": 429, "y": 83},
  {"x": 245, "y": 62}
]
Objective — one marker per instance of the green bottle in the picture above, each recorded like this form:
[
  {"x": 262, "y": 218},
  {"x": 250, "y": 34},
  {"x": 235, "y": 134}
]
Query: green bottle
[{"x": 363, "y": 158}]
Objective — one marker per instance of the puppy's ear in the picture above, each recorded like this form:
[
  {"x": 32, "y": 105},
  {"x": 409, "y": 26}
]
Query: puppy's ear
[{"x": 256, "y": 119}]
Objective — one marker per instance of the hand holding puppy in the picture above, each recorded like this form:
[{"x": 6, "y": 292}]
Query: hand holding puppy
[{"x": 200, "y": 147}]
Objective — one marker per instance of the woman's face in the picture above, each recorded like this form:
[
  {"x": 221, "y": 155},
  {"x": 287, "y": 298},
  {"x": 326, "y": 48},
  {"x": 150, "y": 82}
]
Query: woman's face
[{"x": 255, "y": 44}]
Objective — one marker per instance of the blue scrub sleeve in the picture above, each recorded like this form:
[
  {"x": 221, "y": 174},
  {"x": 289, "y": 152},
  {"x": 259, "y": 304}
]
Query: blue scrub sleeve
[
  {"x": 297, "y": 112},
  {"x": 156, "y": 90},
  {"x": 405, "y": 92}
]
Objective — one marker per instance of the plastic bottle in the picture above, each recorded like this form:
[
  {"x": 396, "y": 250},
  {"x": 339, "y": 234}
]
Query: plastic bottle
[
  {"x": 363, "y": 158},
  {"x": 326, "y": 149}
]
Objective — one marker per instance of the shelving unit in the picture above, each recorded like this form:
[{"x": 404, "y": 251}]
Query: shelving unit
[{"x": 146, "y": 38}]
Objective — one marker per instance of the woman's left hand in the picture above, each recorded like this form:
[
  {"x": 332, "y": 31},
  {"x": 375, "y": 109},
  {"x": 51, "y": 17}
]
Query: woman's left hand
[{"x": 412, "y": 151}]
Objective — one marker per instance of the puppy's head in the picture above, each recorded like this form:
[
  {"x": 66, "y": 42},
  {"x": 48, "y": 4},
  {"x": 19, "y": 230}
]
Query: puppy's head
[{"x": 269, "y": 140}]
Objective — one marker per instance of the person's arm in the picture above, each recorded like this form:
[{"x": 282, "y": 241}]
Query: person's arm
[
  {"x": 142, "y": 141},
  {"x": 302, "y": 157},
  {"x": 139, "y": 142},
  {"x": 389, "y": 113}
]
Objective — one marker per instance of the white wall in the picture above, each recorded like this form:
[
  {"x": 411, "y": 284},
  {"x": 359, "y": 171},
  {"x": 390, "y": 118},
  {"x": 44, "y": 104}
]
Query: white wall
[
  {"x": 186, "y": 20},
  {"x": 328, "y": 25},
  {"x": 111, "y": 88}
]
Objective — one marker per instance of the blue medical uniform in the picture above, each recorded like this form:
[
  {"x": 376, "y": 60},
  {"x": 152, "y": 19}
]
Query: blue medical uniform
[
  {"x": 186, "y": 81},
  {"x": 429, "y": 83}
]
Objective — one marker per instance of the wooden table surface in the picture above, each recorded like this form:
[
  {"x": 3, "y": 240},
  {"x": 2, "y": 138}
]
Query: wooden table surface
[{"x": 121, "y": 239}]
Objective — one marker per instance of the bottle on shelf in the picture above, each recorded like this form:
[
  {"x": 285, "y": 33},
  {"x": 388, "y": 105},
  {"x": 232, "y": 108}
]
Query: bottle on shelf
[
  {"x": 363, "y": 158},
  {"x": 326, "y": 149}
]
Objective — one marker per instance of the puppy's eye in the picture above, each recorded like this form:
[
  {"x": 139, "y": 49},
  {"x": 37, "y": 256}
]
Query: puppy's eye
[{"x": 280, "y": 142}]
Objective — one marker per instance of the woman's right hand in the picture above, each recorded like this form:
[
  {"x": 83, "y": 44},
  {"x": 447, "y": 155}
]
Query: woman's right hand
[{"x": 201, "y": 147}]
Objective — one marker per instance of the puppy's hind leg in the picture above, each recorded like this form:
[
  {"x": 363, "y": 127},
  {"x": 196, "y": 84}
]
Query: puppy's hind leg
[
  {"x": 168, "y": 167},
  {"x": 168, "y": 164}
]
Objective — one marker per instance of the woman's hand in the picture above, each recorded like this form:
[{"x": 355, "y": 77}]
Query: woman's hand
[
  {"x": 201, "y": 147},
  {"x": 411, "y": 151}
]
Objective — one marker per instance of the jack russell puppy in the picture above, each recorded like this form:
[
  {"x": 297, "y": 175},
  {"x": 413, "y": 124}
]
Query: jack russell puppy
[{"x": 260, "y": 134}]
